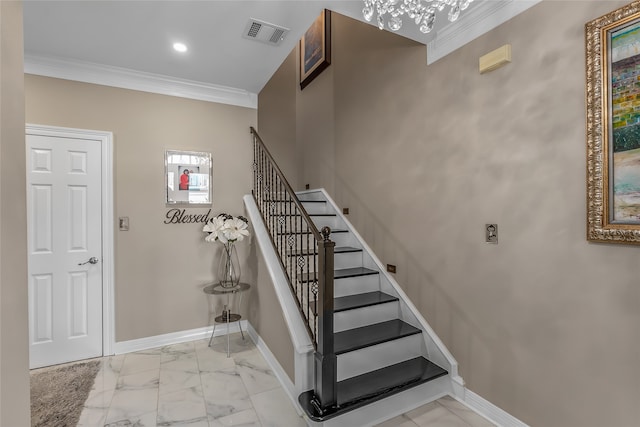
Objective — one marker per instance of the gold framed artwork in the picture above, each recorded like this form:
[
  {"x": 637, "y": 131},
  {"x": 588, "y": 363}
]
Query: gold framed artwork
[
  {"x": 613, "y": 126},
  {"x": 315, "y": 49}
]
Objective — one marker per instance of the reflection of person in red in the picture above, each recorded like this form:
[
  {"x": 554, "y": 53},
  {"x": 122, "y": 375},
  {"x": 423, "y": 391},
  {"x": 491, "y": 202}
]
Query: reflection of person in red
[{"x": 184, "y": 180}]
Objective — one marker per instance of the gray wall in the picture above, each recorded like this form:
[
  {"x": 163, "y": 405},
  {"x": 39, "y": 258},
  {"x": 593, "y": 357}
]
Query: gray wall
[
  {"x": 14, "y": 334},
  {"x": 160, "y": 269},
  {"x": 544, "y": 324}
]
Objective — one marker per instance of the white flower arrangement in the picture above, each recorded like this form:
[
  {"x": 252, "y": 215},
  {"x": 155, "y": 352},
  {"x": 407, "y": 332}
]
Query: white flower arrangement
[{"x": 226, "y": 229}]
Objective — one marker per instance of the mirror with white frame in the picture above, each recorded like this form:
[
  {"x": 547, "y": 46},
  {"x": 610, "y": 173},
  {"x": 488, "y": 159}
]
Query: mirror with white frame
[{"x": 189, "y": 178}]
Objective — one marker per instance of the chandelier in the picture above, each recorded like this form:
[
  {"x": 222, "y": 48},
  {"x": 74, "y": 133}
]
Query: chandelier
[{"x": 423, "y": 12}]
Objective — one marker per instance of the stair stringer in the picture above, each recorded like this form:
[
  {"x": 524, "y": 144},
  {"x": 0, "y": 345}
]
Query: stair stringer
[
  {"x": 436, "y": 351},
  {"x": 302, "y": 344}
]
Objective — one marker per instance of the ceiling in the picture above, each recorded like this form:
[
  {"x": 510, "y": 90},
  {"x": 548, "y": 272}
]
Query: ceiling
[{"x": 136, "y": 37}]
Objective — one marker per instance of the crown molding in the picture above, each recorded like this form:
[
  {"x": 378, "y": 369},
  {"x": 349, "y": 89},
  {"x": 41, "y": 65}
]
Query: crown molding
[
  {"x": 476, "y": 21},
  {"x": 88, "y": 72}
]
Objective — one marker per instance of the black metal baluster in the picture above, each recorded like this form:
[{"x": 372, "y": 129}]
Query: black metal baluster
[
  {"x": 316, "y": 250},
  {"x": 282, "y": 221},
  {"x": 261, "y": 183},
  {"x": 291, "y": 243},
  {"x": 310, "y": 274}
]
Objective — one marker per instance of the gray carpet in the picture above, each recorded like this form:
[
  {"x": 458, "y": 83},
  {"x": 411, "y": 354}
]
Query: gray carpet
[{"x": 58, "y": 393}]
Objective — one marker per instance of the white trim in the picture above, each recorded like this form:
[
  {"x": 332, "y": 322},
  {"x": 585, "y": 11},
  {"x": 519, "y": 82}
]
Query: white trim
[
  {"x": 108, "y": 248},
  {"x": 303, "y": 357},
  {"x": 488, "y": 410},
  {"x": 297, "y": 330},
  {"x": 177, "y": 337},
  {"x": 137, "y": 80},
  {"x": 276, "y": 367},
  {"x": 108, "y": 268},
  {"x": 480, "y": 18}
]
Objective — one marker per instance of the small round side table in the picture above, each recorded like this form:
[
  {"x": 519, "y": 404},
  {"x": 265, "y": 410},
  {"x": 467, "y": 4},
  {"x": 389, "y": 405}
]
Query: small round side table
[{"x": 227, "y": 315}]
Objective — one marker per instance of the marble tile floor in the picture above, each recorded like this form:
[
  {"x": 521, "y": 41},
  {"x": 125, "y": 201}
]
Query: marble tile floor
[{"x": 192, "y": 384}]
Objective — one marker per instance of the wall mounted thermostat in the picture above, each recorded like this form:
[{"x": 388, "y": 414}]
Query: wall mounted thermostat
[{"x": 491, "y": 231}]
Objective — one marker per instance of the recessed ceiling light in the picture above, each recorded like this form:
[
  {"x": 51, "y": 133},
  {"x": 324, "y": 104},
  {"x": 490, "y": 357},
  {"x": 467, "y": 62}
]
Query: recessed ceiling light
[{"x": 180, "y": 47}]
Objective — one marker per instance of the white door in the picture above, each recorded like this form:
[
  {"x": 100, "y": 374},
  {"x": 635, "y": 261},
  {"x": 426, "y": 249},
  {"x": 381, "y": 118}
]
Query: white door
[{"x": 64, "y": 205}]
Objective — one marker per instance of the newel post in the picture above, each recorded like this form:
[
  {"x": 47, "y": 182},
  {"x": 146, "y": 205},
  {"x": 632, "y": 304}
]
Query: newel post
[{"x": 325, "y": 358}]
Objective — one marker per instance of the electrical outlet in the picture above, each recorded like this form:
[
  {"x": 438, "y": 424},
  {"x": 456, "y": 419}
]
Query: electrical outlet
[
  {"x": 306, "y": 186},
  {"x": 345, "y": 211},
  {"x": 123, "y": 222},
  {"x": 391, "y": 268}
]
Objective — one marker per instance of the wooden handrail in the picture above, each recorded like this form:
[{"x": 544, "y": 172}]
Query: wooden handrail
[{"x": 304, "y": 213}]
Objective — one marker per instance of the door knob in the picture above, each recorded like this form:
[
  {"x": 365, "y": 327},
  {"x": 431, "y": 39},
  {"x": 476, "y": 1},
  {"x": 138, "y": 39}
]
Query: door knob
[{"x": 92, "y": 260}]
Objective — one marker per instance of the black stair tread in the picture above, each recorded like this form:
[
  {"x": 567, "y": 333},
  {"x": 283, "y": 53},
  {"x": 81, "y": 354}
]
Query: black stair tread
[
  {"x": 414, "y": 371},
  {"x": 357, "y": 301},
  {"x": 353, "y": 272},
  {"x": 338, "y": 250},
  {"x": 366, "y": 336},
  {"x": 291, "y": 201},
  {"x": 310, "y": 214},
  {"x": 356, "y": 392},
  {"x": 346, "y": 249},
  {"x": 337, "y": 230},
  {"x": 341, "y": 274},
  {"x": 366, "y": 299}
]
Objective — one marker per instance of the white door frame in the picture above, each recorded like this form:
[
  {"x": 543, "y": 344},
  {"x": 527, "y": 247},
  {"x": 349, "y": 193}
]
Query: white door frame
[{"x": 108, "y": 273}]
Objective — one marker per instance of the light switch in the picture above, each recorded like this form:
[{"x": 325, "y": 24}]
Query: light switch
[
  {"x": 491, "y": 231},
  {"x": 124, "y": 223}
]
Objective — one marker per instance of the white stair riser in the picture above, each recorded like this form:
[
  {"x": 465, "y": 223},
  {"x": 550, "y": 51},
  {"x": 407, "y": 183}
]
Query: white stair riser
[
  {"x": 328, "y": 221},
  {"x": 341, "y": 261},
  {"x": 356, "y": 285},
  {"x": 341, "y": 239},
  {"x": 291, "y": 223},
  {"x": 303, "y": 241},
  {"x": 347, "y": 260},
  {"x": 344, "y": 239},
  {"x": 378, "y": 356},
  {"x": 364, "y": 316},
  {"x": 317, "y": 208},
  {"x": 310, "y": 195}
]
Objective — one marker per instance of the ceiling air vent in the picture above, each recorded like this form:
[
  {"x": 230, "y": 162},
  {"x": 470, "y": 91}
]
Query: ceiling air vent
[{"x": 264, "y": 32}]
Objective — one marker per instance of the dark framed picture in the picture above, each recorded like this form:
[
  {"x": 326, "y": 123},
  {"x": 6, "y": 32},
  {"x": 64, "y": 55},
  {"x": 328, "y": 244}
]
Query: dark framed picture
[
  {"x": 613, "y": 126},
  {"x": 315, "y": 49}
]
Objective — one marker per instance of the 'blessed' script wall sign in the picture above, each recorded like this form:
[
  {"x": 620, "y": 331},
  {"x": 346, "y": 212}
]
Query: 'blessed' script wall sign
[{"x": 180, "y": 216}]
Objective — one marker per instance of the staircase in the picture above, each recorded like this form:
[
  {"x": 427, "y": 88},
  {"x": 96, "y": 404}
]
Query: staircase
[
  {"x": 379, "y": 345},
  {"x": 358, "y": 338}
]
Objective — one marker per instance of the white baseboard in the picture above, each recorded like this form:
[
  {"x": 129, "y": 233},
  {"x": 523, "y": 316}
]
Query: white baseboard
[
  {"x": 176, "y": 337},
  {"x": 489, "y": 410}
]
